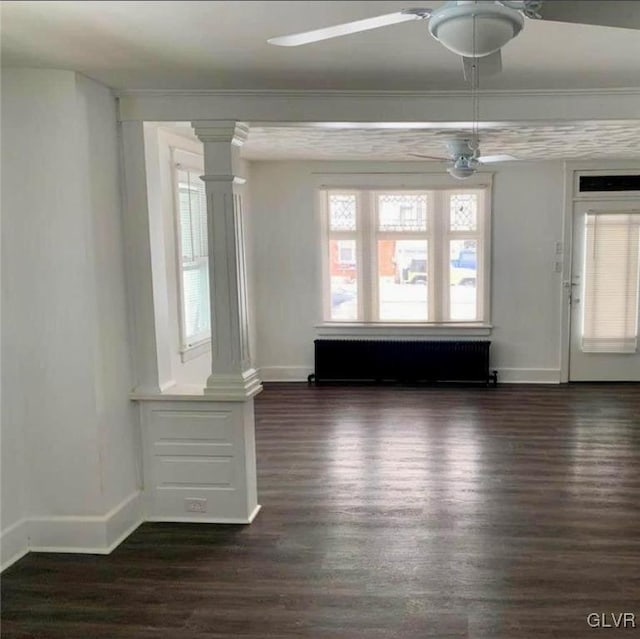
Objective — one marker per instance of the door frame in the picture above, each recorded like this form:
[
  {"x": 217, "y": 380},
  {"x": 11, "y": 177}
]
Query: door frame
[{"x": 572, "y": 171}]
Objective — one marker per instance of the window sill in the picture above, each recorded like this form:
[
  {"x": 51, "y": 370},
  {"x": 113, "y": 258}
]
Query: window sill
[
  {"x": 191, "y": 352},
  {"x": 379, "y": 329}
]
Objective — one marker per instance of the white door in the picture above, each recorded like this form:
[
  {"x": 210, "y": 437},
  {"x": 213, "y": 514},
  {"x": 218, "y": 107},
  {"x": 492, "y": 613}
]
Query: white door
[{"x": 605, "y": 345}]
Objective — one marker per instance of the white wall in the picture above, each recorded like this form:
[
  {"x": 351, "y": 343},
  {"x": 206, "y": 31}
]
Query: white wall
[
  {"x": 526, "y": 291},
  {"x": 116, "y": 414},
  {"x": 46, "y": 390},
  {"x": 68, "y": 431}
]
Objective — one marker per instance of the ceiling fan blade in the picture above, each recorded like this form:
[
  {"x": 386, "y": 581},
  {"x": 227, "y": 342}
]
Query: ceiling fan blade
[
  {"x": 347, "y": 28},
  {"x": 430, "y": 157},
  {"x": 612, "y": 13},
  {"x": 488, "y": 159},
  {"x": 489, "y": 65}
]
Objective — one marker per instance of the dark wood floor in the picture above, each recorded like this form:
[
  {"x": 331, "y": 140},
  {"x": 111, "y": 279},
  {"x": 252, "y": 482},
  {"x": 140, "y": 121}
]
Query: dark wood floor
[{"x": 387, "y": 512}]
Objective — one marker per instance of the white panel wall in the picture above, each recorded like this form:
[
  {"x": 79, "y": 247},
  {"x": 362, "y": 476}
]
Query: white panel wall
[
  {"x": 67, "y": 428},
  {"x": 526, "y": 291}
]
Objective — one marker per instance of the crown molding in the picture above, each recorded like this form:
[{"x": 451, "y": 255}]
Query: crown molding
[
  {"x": 375, "y": 107},
  {"x": 333, "y": 93}
]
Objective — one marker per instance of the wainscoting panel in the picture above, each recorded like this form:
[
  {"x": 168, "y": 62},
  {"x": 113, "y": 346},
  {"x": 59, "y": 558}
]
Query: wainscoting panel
[{"x": 199, "y": 461}]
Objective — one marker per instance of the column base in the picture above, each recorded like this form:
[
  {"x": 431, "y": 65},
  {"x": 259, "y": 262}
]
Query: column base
[{"x": 235, "y": 387}]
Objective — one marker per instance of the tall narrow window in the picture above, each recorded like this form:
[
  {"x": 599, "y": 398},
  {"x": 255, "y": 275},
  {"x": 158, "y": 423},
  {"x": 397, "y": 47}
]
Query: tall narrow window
[
  {"x": 402, "y": 238},
  {"x": 612, "y": 281},
  {"x": 342, "y": 256},
  {"x": 465, "y": 253},
  {"x": 193, "y": 257}
]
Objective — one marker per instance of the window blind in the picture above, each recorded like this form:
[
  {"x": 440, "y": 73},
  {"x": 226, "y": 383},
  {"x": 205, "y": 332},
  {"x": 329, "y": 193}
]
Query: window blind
[{"x": 612, "y": 263}]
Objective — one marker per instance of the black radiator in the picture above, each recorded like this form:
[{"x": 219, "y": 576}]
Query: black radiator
[{"x": 338, "y": 360}]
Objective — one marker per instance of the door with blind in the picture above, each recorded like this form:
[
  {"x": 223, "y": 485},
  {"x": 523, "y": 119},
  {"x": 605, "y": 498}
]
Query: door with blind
[{"x": 605, "y": 292}]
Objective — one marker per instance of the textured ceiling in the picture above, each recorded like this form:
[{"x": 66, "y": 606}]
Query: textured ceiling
[
  {"x": 579, "y": 140},
  {"x": 223, "y": 45}
]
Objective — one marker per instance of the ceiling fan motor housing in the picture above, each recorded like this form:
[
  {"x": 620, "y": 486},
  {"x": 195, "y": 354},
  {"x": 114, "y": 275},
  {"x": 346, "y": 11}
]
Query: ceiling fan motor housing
[
  {"x": 475, "y": 29},
  {"x": 461, "y": 148},
  {"x": 463, "y": 156}
]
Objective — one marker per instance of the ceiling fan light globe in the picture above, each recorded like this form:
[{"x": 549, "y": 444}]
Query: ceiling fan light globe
[
  {"x": 462, "y": 163},
  {"x": 460, "y": 173},
  {"x": 494, "y": 25}
]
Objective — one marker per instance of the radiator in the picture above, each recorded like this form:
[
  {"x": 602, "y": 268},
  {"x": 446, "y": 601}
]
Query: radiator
[{"x": 339, "y": 360}]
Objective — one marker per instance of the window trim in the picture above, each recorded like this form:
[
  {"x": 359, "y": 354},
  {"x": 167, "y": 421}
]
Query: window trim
[
  {"x": 182, "y": 159},
  {"x": 602, "y": 195},
  {"x": 365, "y": 191},
  {"x": 195, "y": 350}
]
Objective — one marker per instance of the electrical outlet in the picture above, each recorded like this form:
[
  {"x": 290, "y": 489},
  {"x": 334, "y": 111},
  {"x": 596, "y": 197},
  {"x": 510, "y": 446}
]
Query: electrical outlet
[{"x": 195, "y": 505}]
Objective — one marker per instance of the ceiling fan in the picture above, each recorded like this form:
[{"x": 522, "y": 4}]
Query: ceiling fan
[
  {"x": 464, "y": 157},
  {"x": 477, "y": 30}
]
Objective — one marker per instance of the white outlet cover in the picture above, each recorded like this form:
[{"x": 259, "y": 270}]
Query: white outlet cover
[{"x": 195, "y": 505}]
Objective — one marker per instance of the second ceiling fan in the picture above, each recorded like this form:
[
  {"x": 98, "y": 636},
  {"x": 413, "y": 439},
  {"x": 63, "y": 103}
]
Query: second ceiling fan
[{"x": 464, "y": 157}]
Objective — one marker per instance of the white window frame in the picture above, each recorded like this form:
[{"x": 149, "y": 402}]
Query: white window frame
[
  {"x": 366, "y": 234},
  {"x": 198, "y": 344}
]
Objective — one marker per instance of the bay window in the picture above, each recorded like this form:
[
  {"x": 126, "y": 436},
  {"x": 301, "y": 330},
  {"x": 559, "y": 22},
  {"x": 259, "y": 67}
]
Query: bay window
[{"x": 394, "y": 256}]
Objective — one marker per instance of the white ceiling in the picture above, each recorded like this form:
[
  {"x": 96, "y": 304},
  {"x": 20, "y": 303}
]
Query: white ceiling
[
  {"x": 617, "y": 140},
  {"x": 212, "y": 45},
  {"x": 578, "y": 140},
  {"x": 222, "y": 45}
]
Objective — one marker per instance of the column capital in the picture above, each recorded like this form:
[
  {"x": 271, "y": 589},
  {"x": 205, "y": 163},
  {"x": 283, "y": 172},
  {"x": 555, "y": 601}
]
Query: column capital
[{"x": 229, "y": 131}]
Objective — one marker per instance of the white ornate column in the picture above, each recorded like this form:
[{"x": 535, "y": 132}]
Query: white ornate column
[
  {"x": 232, "y": 376},
  {"x": 199, "y": 447}
]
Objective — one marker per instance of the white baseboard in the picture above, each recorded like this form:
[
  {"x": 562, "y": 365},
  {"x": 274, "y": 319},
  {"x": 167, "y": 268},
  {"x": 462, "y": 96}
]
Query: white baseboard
[
  {"x": 208, "y": 520},
  {"x": 97, "y": 534},
  {"x": 94, "y": 535},
  {"x": 285, "y": 373},
  {"x": 505, "y": 375},
  {"x": 14, "y": 543},
  {"x": 122, "y": 520},
  {"x": 528, "y": 375}
]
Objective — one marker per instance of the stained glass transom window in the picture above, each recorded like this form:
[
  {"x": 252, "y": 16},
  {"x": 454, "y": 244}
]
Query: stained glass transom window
[
  {"x": 402, "y": 212},
  {"x": 342, "y": 212},
  {"x": 464, "y": 212}
]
